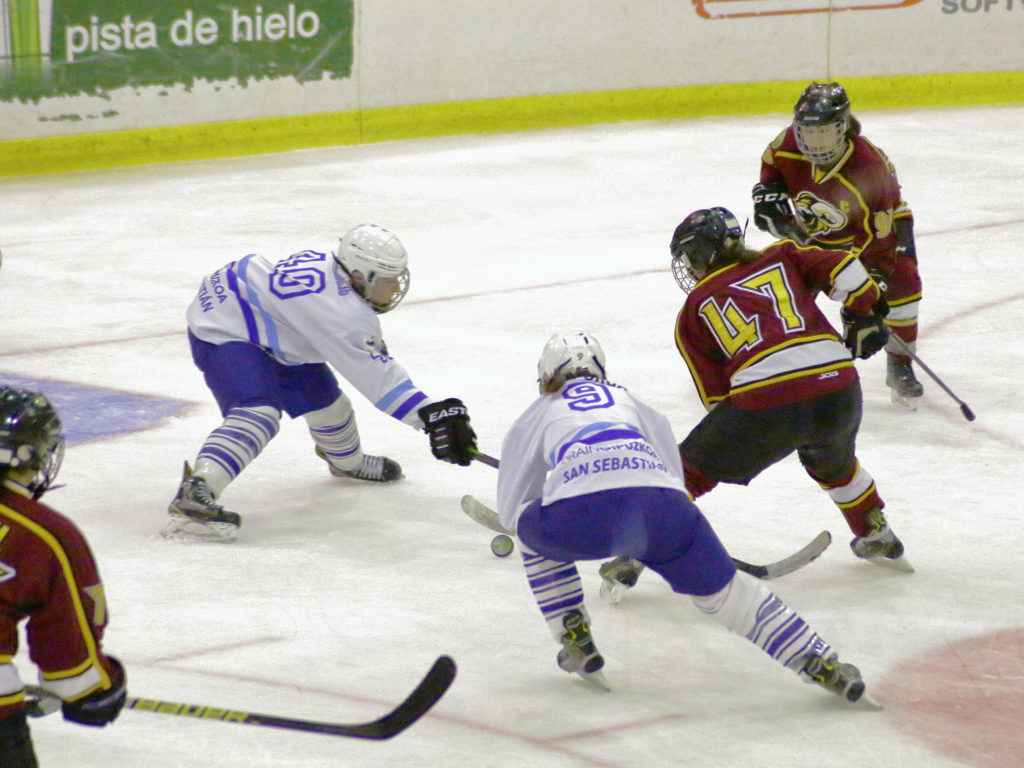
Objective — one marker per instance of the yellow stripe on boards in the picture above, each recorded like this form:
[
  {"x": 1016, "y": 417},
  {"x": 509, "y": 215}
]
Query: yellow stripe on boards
[{"x": 206, "y": 141}]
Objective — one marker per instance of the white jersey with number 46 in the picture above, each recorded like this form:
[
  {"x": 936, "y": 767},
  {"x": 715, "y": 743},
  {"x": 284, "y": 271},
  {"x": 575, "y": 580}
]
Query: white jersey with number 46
[{"x": 304, "y": 310}]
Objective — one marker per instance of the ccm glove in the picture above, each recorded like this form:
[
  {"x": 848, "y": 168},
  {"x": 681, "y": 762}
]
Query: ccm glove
[
  {"x": 772, "y": 212},
  {"x": 451, "y": 437},
  {"x": 99, "y": 707},
  {"x": 864, "y": 335}
]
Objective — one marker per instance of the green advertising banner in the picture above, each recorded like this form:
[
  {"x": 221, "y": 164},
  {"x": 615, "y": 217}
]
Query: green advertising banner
[{"x": 66, "y": 47}]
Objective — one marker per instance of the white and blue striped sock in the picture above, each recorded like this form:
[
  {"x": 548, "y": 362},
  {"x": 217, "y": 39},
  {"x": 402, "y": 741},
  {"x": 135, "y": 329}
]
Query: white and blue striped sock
[
  {"x": 231, "y": 447},
  {"x": 748, "y": 608},
  {"x": 334, "y": 431},
  {"x": 556, "y": 587}
]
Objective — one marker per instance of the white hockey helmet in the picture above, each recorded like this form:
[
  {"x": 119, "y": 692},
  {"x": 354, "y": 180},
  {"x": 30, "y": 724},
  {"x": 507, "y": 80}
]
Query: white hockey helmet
[
  {"x": 377, "y": 265},
  {"x": 566, "y": 356}
]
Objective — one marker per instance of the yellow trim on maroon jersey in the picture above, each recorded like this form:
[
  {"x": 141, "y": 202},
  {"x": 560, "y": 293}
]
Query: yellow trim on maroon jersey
[
  {"x": 837, "y": 366},
  {"x": 69, "y": 577}
]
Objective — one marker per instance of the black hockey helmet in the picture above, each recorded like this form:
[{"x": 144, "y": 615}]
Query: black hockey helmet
[
  {"x": 821, "y": 121},
  {"x": 31, "y": 436},
  {"x": 702, "y": 240}
]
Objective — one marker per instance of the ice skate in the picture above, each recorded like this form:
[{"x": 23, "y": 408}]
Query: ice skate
[
  {"x": 375, "y": 469},
  {"x": 906, "y": 390},
  {"x": 195, "y": 516},
  {"x": 880, "y": 545},
  {"x": 618, "y": 576},
  {"x": 579, "y": 654},
  {"x": 841, "y": 679}
]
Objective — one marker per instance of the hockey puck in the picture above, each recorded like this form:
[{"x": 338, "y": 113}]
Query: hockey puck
[{"x": 501, "y": 545}]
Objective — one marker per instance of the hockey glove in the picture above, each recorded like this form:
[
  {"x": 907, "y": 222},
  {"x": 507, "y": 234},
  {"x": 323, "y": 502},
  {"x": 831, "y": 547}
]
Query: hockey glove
[
  {"x": 451, "y": 437},
  {"x": 99, "y": 707},
  {"x": 864, "y": 335},
  {"x": 772, "y": 212}
]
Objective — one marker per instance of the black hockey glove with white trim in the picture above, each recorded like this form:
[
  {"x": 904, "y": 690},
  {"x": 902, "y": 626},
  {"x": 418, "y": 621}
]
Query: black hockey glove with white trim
[
  {"x": 451, "y": 437},
  {"x": 864, "y": 335},
  {"x": 99, "y": 707},
  {"x": 772, "y": 211}
]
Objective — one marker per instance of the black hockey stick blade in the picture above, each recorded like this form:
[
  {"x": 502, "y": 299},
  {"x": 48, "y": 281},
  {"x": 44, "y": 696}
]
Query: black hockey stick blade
[
  {"x": 426, "y": 694},
  {"x": 794, "y": 562},
  {"x": 418, "y": 703}
]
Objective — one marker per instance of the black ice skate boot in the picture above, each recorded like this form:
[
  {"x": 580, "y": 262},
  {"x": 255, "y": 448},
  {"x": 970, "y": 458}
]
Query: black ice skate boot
[
  {"x": 835, "y": 677},
  {"x": 196, "y": 516},
  {"x": 618, "y": 576},
  {"x": 880, "y": 545},
  {"x": 579, "y": 654},
  {"x": 900, "y": 378}
]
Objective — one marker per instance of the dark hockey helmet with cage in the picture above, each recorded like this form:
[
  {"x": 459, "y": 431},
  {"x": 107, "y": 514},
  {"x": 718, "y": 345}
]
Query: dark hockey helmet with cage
[
  {"x": 31, "y": 437},
  {"x": 821, "y": 122},
  {"x": 703, "y": 240}
]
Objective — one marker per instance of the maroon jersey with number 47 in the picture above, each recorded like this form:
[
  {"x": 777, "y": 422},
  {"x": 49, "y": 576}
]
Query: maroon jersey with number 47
[{"x": 752, "y": 332}]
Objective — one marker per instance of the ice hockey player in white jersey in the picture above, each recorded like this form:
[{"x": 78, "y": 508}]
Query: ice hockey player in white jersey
[
  {"x": 589, "y": 471},
  {"x": 266, "y": 337}
]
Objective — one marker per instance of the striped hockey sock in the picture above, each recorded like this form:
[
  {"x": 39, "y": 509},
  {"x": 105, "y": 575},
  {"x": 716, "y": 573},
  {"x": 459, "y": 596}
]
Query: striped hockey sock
[
  {"x": 556, "y": 587},
  {"x": 234, "y": 444},
  {"x": 782, "y": 634},
  {"x": 334, "y": 431},
  {"x": 855, "y": 496},
  {"x": 748, "y": 608}
]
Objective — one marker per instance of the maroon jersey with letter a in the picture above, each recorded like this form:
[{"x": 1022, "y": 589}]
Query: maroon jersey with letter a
[{"x": 852, "y": 205}]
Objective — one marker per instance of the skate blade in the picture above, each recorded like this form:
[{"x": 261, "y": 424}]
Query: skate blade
[
  {"x": 910, "y": 403},
  {"x": 613, "y": 591},
  {"x": 900, "y": 564},
  {"x": 595, "y": 680},
  {"x": 188, "y": 530},
  {"x": 869, "y": 701}
]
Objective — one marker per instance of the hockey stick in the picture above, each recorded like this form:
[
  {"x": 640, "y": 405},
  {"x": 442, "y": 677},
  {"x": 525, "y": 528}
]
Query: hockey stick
[
  {"x": 964, "y": 408},
  {"x": 432, "y": 688},
  {"x": 483, "y": 458},
  {"x": 488, "y": 518}
]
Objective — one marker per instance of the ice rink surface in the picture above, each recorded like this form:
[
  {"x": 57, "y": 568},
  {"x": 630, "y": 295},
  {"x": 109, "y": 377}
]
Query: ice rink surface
[{"x": 337, "y": 596}]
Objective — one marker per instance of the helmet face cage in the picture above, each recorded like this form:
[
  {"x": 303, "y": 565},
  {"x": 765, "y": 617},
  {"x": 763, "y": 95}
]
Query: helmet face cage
[
  {"x": 381, "y": 261},
  {"x": 30, "y": 437},
  {"x": 698, "y": 242},
  {"x": 683, "y": 272},
  {"x": 568, "y": 356},
  {"x": 821, "y": 122}
]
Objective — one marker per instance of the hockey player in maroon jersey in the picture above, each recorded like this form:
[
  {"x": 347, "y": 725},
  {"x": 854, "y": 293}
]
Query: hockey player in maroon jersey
[
  {"x": 774, "y": 374},
  {"x": 822, "y": 182},
  {"x": 47, "y": 576}
]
